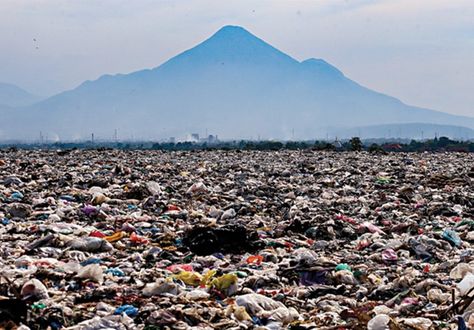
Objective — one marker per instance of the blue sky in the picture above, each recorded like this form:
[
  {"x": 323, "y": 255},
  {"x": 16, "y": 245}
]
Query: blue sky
[{"x": 420, "y": 51}]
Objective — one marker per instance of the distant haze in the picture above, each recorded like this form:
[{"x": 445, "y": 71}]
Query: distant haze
[
  {"x": 233, "y": 84},
  {"x": 421, "y": 52}
]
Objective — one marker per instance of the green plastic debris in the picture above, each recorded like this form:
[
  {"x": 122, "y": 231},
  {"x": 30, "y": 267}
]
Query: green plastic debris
[
  {"x": 466, "y": 222},
  {"x": 343, "y": 267},
  {"x": 38, "y": 306},
  {"x": 241, "y": 274},
  {"x": 383, "y": 180},
  {"x": 358, "y": 273}
]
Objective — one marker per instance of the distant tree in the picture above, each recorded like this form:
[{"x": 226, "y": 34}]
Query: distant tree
[
  {"x": 375, "y": 148},
  {"x": 295, "y": 145},
  {"x": 328, "y": 146},
  {"x": 444, "y": 141},
  {"x": 356, "y": 143}
]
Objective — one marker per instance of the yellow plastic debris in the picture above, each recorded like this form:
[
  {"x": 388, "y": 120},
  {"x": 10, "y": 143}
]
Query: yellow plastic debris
[
  {"x": 224, "y": 282},
  {"x": 208, "y": 276},
  {"x": 115, "y": 237},
  {"x": 239, "y": 312},
  {"x": 189, "y": 278}
]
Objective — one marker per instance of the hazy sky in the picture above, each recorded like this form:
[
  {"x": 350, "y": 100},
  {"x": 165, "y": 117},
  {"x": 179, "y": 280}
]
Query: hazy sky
[{"x": 420, "y": 51}]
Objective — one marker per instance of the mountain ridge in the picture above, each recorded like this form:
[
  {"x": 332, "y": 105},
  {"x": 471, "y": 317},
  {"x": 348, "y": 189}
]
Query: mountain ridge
[
  {"x": 234, "y": 84},
  {"x": 14, "y": 96}
]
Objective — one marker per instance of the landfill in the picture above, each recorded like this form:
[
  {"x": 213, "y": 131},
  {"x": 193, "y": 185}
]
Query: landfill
[{"x": 217, "y": 239}]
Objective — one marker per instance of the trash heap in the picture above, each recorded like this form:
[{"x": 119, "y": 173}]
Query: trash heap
[{"x": 94, "y": 239}]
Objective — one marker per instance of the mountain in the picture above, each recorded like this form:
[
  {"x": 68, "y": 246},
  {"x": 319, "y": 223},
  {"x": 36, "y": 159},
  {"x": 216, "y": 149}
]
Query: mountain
[
  {"x": 232, "y": 84},
  {"x": 14, "y": 96}
]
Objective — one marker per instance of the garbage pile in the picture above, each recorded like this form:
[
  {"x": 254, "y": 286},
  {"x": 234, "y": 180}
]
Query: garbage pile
[{"x": 94, "y": 239}]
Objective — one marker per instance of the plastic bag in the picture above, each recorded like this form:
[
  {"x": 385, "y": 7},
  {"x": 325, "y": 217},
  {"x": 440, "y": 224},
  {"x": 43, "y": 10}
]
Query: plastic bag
[
  {"x": 34, "y": 289},
  {"x": 92, "y": 272}
]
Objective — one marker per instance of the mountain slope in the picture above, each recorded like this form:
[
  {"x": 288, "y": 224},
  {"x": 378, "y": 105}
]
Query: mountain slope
[
  {"x": 14, "y": 96},
  {"x": 232, "y": 84}
]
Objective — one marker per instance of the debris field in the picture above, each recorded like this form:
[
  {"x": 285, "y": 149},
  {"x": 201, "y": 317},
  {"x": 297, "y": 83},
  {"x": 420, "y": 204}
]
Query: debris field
[{"x": 94, "y": 239}]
